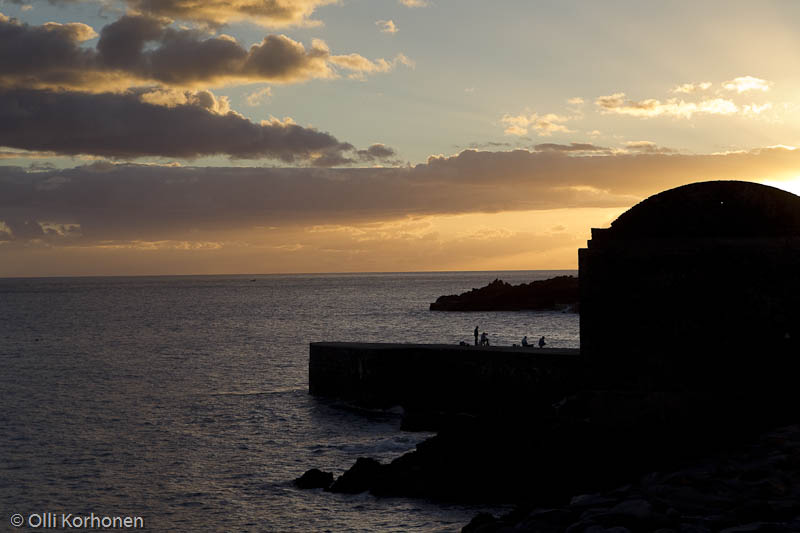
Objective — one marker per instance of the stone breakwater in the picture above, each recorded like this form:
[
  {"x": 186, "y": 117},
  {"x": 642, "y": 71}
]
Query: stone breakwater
[
  {"x": 752, "y": 488},
  {"x": 440, "y": 377}
]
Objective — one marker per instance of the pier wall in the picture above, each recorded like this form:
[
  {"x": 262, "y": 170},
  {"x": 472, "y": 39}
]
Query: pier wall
[{"x": 440, "y": 377}]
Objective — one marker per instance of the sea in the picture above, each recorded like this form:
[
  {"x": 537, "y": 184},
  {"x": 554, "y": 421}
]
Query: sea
[{"x": 183, "y": 401}]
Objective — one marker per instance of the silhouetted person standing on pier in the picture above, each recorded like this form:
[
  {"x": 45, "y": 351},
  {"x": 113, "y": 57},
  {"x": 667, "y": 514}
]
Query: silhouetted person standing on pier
[
  {"x": 541, "y": 342},
  {"x": 476, "y": 335}
]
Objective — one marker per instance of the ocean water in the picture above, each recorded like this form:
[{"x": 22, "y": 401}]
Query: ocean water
[{"x": 183, "y": 400}]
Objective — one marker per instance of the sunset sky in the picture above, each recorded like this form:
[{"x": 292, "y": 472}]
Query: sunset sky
[{"x": 261, "y": 136}]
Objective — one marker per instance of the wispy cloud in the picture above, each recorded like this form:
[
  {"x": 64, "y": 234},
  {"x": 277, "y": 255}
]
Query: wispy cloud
[
  {"x": 648, "y": 147},
  {"x": 619, "y": 105},
  {"x": 756, "y": 109},
  {"x": 258, "y": 97},
  {"x": 691, "y": 88},
  {"x": 543, "y": 125},
  {"x": 6, "y": 154},
  {"x": 387, "y": 26},
  {"x": 747, "y": 83},
  {"x": 571, "y": 148},
  {"x": 413, "y": 3}
]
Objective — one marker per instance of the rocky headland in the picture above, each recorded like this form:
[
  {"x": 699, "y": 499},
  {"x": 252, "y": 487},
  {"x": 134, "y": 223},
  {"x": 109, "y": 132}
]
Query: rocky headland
[{"x": 560, "y": 292}]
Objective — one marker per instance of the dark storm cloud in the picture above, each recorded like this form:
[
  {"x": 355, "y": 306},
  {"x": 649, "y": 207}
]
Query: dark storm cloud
[
  {"x": 137, "y": 49},
  {"x": 111, "y": 202},
  {"x": 122, "y": 125}
]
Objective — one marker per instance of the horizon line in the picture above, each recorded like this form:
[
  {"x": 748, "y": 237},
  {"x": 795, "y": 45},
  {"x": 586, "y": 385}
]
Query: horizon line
[{"x": 341, "y": 273}]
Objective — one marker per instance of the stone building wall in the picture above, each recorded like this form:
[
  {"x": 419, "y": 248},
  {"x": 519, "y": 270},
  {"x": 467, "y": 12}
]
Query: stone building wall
[{"x": 687, "y": 308}]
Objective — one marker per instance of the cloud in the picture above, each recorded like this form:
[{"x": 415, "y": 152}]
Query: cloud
[
  {"x": 175, "y": 97},
  {"x": 257, "y": 97},
  {"x": 272, "y": 13},
  {"x": 571, "y": 147},
  {"x": 116, "y": 203},
  {"x": 376, "y": 152},
  {"x": 544, "y": 125},
  {"x": 575, "y": 101},
  {"x": 387, "y": 26},
  {"x": 139, "y": 50},
  {"x": 413, "y": 3},
  {"x": 756, "y": 109},
  {"x": 157, "y": 123},
  {"x": 488, "y": 145},
  {"x": 5, "y": 154},
  {"x": 691, "y": 88},
  {"x": 747, "y": 83},
  {"x": 648, "y": 147},
  {"x": 215, "y": 13},
  {"x": 619, "y": 105}
]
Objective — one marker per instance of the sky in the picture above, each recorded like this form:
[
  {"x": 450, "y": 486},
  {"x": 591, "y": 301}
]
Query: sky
[{"x": 152, "y": 137}]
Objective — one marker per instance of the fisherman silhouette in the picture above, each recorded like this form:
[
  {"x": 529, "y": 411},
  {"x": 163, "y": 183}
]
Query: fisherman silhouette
[{"x": 484, "y": 339}]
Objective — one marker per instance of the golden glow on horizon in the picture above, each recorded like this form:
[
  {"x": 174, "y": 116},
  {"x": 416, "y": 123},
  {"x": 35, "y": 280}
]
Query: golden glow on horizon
[{"x": 510, "y": 240}]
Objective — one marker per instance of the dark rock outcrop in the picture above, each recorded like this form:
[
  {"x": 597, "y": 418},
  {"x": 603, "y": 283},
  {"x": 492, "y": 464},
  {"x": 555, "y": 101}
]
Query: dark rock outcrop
[
  {"x": 314, "y": 479},
  {"x": 362, "y": 476},
  {"x": 560, "y": 292},
  {"x": 588, "y": 446},
  {"x": 753, "y": 487}
]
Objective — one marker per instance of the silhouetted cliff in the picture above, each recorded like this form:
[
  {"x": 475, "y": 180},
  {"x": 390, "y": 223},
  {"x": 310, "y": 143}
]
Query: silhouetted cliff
[{"x": 553, "y": 293}]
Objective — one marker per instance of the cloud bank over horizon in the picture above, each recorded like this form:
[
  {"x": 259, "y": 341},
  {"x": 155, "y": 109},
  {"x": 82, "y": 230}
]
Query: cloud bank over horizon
[{"x": 105, "y": 202}]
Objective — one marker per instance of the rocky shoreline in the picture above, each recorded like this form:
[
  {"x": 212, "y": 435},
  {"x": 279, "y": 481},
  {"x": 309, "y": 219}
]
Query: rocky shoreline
[
  {"x": 560, "y": 292},
  {"x": 585, "y": 466},
  {"x": 753, "y": 488}
]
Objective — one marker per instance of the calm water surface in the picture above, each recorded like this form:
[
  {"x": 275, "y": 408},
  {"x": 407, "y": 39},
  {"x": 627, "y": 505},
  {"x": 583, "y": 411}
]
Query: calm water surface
[{"x": 183, "y": 400}]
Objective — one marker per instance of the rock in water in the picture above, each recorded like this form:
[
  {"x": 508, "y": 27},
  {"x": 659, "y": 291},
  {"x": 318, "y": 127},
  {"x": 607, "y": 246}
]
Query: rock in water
[
  {"x": 361, "y": 477},
  {"x": 314, "y": 479},
  {"x": 553, "y": 293}
]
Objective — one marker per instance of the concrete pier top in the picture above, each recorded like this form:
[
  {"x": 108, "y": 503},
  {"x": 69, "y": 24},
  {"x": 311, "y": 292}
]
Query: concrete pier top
[
  {"x": 439, "y": 377},
  {"x": 387, "y": 346}
]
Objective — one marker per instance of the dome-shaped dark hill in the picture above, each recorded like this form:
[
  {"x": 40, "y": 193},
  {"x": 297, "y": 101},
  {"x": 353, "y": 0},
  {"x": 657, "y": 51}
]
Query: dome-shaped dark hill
[
  {"x": 711, "y": 209},
  {"x": 553, "y": 293}
]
